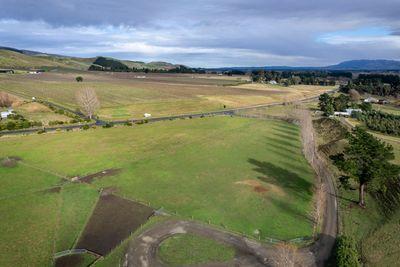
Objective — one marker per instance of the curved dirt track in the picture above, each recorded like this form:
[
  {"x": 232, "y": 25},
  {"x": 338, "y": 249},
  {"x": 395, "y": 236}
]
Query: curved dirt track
[{"x": 143, "y": 250}]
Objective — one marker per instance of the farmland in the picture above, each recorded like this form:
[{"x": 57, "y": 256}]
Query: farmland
[
  {"x": 197, "y": 169},
  {"x": 124, "y": 95}
]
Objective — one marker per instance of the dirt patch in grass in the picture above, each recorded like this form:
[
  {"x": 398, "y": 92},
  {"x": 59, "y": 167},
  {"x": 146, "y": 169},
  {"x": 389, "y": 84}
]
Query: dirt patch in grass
[
  {"x": 69, "y": 261},
  {"x": 109, "y": 191},
  {"x": 74, "y": 260},
  {"x": 9, "y": 162},
  {"x": 56, "y": 189},
  {"x": 113, "y": 220},
  {"x": 89, "y": 178},
  {"x": 261, "y": 187}
]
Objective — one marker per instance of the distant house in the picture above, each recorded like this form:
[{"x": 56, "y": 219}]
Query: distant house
[
  {"x": 371, "y": 100},
  {"x": 273, "y": 82},
  {"x": 347, "y": 113},
  {"x": 35, "y": 71},
  {"x": 5, "y": 114},
  {"x": 147, "y": 115}
]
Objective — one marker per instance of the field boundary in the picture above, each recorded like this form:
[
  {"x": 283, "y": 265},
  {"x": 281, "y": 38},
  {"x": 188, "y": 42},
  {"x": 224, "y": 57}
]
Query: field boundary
[{"x": 98, "y": 122}]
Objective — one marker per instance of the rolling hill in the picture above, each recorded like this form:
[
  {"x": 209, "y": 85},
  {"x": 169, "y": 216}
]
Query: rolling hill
[
  {"x": 17, "y": 60},
  {"x": 12, "y": 58}
]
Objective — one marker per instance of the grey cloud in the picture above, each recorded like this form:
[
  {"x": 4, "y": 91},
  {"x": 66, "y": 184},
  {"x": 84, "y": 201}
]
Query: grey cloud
[{"x": 200, "y": 33}]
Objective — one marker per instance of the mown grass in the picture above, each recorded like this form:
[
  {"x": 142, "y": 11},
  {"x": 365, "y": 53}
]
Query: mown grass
[
  {"x": 22, "y": 179},
  {"x": 27, "y": 229},
  {"x": 198, "y": 168},
  {"x": 188, "y": 249},
  {"x": 387, "y": 108},
  {"x": 77, "y": 203}
]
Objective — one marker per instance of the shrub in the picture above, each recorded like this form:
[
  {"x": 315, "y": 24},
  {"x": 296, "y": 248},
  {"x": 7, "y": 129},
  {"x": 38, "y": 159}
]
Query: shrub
[
  {"x": 346, "y": 252},
  {"x": 11, "y": 125},
  {"x": 85, "y": 127},
  {"x": 41, "y": 131},
  {"x": 79, "y": 79},
  {"x": 128, "y": 123},
  {"x": 108, "y": 125}
]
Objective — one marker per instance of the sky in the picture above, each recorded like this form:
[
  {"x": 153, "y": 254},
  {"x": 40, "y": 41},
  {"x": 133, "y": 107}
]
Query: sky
[{"x": 207, "y": 33}]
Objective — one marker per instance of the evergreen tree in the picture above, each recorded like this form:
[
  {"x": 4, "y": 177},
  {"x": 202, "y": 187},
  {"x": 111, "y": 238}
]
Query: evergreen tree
[{"x": 367, "y": 160}]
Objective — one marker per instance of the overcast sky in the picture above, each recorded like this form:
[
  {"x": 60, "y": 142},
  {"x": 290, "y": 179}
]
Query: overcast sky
[{"x": 207, "y": 33}]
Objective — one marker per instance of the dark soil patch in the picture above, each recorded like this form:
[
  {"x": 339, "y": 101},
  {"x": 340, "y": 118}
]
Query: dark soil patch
[
  {"x": 89, "y": 178},
  {"x": 74, "y": 260},
  {"x": 113, "y": 220},
  {"x": 53, "y": 190},
  {"x": 260, "y": 189},
  {"x": 9, "y": 162}
]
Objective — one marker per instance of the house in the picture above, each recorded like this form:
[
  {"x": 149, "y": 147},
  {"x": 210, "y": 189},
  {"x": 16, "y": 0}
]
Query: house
[
  {"x": 347, "y": 113},
  {"x": 5, "y": 114},
  {"x": 273, "y": 82},
  {"x": 371, "y": 100},
  {"x": 35, "y": 71},
  {"x": 147, "y": 115}
]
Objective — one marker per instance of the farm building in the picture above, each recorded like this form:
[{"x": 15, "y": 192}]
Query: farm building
[
  {"x": 273, "y": 82},
  {"x": 347, "y": 113},
  {"x": 371, "y": 100},
  {"x": 147, "y": 115},
  {"x": 5, "y": 114}
]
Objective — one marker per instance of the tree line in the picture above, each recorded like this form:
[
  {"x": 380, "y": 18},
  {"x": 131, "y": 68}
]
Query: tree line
[
  {"x": 376, "y": 84},
  {"x": 380, "y": 121},
  {"x": 288, "y": 78}
]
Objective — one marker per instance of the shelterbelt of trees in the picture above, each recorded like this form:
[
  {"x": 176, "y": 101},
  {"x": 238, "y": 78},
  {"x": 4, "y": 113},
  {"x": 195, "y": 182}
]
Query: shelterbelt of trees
[
  {"x": 300, "y": 77},
  {"x": 376, "y": 84}
]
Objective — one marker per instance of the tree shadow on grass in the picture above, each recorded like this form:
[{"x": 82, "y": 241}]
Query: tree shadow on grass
[
  {"x": 286, "y": 136},
  {"x": 290, "y": 182},
  {"x": 287, "y": 130},
  {"x": 283, "y": 142}
]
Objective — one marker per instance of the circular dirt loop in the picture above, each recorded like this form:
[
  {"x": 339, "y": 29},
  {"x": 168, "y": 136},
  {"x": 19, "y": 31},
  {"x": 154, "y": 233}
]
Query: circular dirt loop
[{"x": 142, "y": 251}]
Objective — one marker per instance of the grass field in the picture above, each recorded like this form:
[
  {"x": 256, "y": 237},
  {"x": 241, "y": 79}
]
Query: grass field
[
  {"x": 187, "y": 249},
  {"x": 194, "y": 167},
  {"x": 387, "y": 108},
  {"x": 33, "y": 111},
  {"x": 123, "y": 96}
]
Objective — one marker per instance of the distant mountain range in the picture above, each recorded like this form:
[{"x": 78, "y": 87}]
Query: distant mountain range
[
  {"x": 351, "y": 65},
  {"x": 27, "y": 59}
]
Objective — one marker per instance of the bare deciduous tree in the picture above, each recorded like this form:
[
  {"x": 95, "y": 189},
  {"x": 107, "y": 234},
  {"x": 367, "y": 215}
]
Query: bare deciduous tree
[
  {"x": 354, "y": 95},
  {"x": 5, "y": 100},
  {"x": 88, "y": 101}
]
